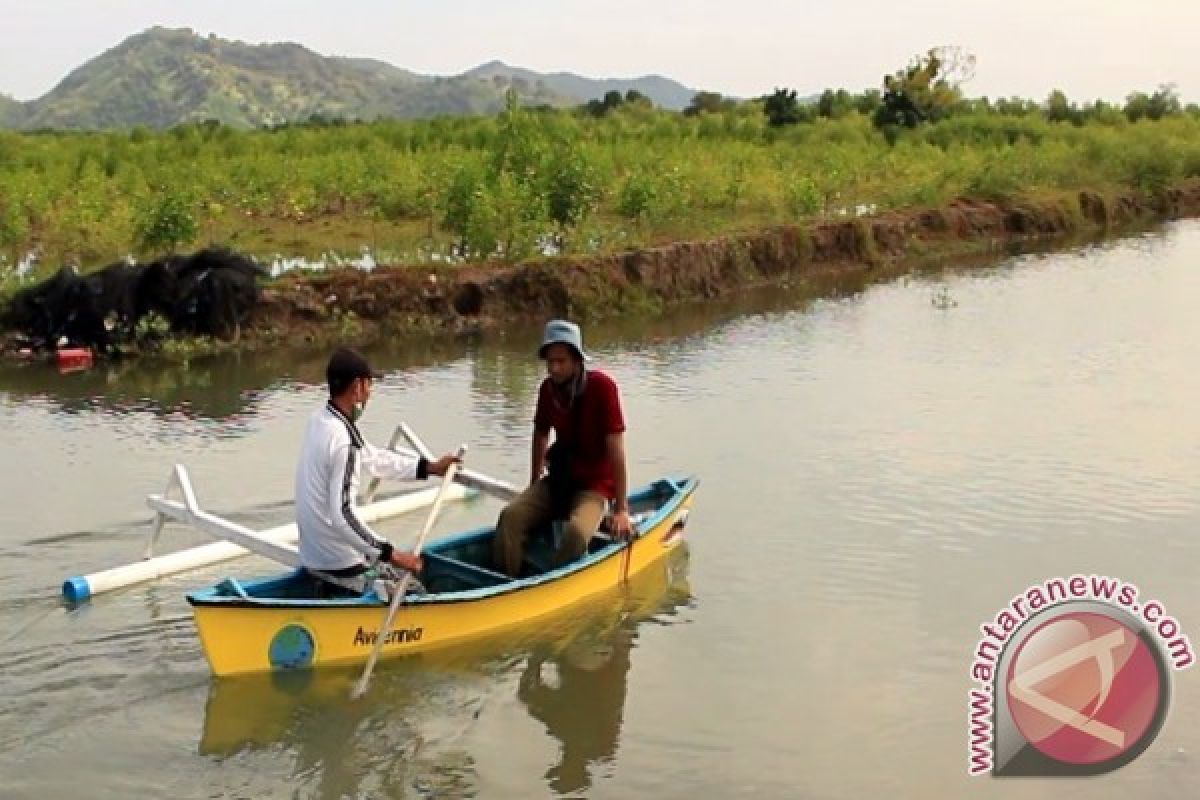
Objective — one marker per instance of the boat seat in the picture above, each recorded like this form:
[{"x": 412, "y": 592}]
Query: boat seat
[
  {"x": 598, "y": 542},
  {"x": 231, "y": 586},
  {"x": 437, "y": 565},
  {"x": 539, "y": 552}
]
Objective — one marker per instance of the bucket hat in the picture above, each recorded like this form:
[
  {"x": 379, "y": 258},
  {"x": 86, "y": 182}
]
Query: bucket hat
[{"x": 560, "y": 331}]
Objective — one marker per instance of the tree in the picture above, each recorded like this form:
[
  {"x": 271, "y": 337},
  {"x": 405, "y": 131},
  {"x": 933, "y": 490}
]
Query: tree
[
  {"x": 166, "y": 222},
  {"x": 1164, "y": 102},
  {"x": 1015, "y": 106},
  {"x": 834, "y": 105},
  {"x": 868, "y": 102},
  {"x": 1137, "y": 106},
  {"x": 635, "y": 98},
  {"x": 573, "y": 188},
  {"x": 708, "y": 103},
  {"x": 782, "y": 108},
  {"x": 925, "y": 91},
  {"x": 519, "y": 146},
  {"x": 1059, "y": 109},
  {"x": 1103, "y": 112},
  {"x": 612, "y": 100}
]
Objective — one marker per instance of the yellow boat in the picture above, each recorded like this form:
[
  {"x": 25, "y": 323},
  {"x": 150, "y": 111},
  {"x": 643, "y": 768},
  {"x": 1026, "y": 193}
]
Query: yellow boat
[
  {"x": 278, "y": 624},
  {"x": 590, "y": 641}
]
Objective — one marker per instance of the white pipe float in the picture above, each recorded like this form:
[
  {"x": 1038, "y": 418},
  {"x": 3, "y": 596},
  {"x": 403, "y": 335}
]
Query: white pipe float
[{"x": 275, "y": 543}]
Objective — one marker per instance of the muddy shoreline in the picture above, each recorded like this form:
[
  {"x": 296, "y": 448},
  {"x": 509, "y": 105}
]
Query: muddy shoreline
[
  {"x": 484, "y": 297},
  {"x": 359, "y": 307}
]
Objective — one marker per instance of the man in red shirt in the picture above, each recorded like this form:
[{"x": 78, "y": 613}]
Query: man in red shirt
[{"x": 586, "y": 464}]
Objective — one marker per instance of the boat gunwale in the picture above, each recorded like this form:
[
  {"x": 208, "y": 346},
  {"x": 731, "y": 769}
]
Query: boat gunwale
[{"x": 682, "y": 487}]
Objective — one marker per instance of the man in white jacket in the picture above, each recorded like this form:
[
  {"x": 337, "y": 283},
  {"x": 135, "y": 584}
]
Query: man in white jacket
[{"x": 334, "y": 541}]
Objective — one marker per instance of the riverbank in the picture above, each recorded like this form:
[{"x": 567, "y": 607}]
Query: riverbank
[{"x": 357, "y": 306}]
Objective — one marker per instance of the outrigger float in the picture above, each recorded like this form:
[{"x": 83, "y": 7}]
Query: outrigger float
[{"x": 280, "y": 623}]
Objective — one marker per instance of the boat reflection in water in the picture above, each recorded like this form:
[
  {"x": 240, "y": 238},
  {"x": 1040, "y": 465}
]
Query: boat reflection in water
[{"x": 570, "y": 673}]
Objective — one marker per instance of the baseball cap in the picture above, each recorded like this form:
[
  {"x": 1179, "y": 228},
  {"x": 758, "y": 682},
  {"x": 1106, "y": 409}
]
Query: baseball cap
[{"x": 345, "y": 366}]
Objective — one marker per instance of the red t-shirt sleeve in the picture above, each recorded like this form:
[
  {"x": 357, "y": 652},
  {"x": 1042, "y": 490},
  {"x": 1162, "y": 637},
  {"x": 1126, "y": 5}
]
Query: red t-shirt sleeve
[{"x": 614, "y": 419}]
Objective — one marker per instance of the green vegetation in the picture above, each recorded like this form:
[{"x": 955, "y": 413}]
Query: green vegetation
[
  {"x": 597, "y": 178},
  {"x": 167, "y": 222}
]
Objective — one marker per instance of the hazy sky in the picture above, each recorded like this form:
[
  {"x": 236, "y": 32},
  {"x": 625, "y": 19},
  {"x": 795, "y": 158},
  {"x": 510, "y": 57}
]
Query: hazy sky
[{"x": 1088, "y": 48}]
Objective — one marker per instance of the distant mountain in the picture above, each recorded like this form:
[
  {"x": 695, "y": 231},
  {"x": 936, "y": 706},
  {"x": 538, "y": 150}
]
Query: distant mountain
[
  {"x": 163, "y": 77},
  {"x": 663, "y": 91},
  {"x": 12, "y": 112}
]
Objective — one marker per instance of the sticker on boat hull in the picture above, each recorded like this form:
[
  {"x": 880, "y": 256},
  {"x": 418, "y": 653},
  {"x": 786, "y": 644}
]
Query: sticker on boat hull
[{"x": 292, "y": 647}]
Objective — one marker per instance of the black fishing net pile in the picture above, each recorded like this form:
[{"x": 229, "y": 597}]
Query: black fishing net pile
[{"x": 209, "y": 292}]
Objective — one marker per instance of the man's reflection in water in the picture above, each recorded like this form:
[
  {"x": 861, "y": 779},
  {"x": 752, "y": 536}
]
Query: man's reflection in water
[
  {"x": 578, "y": 691},
  {"x": 579, "y": 695}
]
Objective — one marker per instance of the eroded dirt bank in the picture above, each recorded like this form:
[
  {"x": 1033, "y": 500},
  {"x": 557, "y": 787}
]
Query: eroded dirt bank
[{"x": 357, "y": 304}]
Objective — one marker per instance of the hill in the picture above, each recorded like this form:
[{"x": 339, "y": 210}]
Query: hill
[
  {"x": 164, "y": 77},
  {"x": 11, "y": 112}
]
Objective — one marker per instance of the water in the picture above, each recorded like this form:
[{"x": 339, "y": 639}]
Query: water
[{"x": 882, "y": 470}]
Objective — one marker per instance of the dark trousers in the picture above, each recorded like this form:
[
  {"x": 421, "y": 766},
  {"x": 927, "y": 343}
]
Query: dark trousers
[{"x": 348, "y": 580}]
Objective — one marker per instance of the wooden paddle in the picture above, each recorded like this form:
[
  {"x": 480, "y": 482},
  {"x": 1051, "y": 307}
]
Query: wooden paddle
[{"x": 360, "y": 688}]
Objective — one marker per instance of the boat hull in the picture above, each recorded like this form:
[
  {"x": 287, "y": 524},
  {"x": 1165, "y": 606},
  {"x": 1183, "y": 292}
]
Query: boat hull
[{"x": 250, "y": 634}]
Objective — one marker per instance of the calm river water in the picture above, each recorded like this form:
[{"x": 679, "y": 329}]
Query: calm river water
[{"x": 882, "y": 470}]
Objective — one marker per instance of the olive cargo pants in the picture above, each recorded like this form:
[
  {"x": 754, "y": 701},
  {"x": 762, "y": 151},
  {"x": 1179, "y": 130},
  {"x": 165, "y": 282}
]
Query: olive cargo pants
[{"x": 534, "y": 508}]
